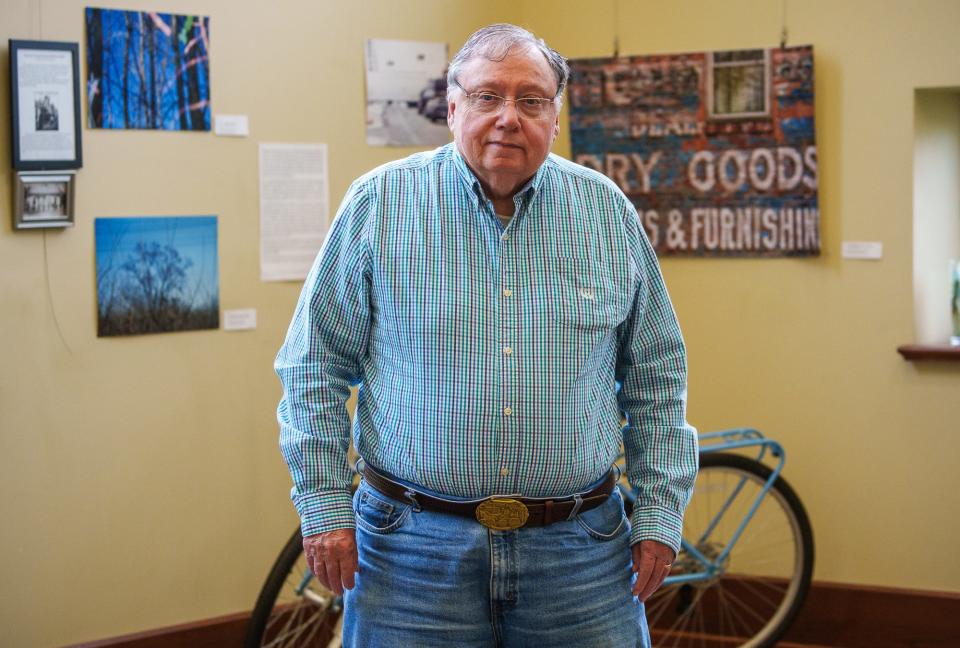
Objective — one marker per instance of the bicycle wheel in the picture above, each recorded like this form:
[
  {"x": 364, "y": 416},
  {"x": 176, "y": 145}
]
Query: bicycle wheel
[
  {"x": 293, "y": 610},
  {"x": 758, "y": 589}
]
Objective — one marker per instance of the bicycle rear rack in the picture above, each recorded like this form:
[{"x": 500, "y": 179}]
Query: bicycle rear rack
[{"x": 724, "y": 441}]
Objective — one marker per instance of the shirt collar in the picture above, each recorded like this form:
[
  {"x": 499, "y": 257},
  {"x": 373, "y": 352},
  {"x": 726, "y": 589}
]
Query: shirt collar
[{"x": 526, "y": 192}]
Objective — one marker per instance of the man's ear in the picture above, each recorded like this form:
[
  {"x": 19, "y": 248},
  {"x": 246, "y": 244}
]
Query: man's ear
[{"x": 451, "y": 106}]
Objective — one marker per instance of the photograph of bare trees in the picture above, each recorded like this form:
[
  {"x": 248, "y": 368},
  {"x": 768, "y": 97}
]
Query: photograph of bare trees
[
  {"x": 147, "y": 70},
  {"x": 156, "y": 275}
]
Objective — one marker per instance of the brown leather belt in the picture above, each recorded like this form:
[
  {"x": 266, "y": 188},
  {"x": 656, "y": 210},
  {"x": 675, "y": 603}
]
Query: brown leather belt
[{"x": 498, "y": 513}]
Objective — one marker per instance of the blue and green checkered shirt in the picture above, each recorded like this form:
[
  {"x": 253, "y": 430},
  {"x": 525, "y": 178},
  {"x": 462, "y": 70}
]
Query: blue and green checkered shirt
[{"x": 487, "y": 356}]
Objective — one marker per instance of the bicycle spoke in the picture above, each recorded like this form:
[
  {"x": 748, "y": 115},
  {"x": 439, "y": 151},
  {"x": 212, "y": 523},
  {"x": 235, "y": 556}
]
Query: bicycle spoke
[
  {"x": 734, "y": 616},
  {"x": 703, "y": 629},
  {"x": 746, "y": 608},
  {"x": 285, "y": 630},
  {"x": 657, "y": 608},
  {"x": 295, "y": 632},
  {"x": 317, "y": 624},
  {"x": 762, "y": 563},
  {"x": 293, "y": 580},
  {"x": 685, "y": 617},
  {"x": 277, "y": 617},
  {"x": 756, "y": 593},
  {"x": 724, "y": 614},
  {"x": 767, "y": 583}
]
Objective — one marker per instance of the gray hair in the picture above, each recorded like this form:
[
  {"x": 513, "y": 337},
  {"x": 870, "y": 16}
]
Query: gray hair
[{"x": 494, "y": 43}]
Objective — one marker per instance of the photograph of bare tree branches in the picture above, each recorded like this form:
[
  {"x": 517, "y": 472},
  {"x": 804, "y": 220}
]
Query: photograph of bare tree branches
[
  {"x": 147, "y": 70},
  {"x": 156, "y": 275}
]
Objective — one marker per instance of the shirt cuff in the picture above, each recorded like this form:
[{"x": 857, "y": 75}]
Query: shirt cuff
[
  {"x": 656, "y": 523},
  {"x": 327, "y": 511}
]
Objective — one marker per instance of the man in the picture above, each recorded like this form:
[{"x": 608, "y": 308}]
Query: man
[{"x": 488, "y": 298}]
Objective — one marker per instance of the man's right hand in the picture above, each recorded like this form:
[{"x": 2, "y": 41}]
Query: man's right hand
[{"x": 332, "y": 557}]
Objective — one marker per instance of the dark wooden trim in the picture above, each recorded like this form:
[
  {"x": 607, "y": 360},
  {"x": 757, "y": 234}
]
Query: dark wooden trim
[
  {"x": 929, "y": 352},
  {"x": 835, "y": 614},
  {"x": 854, "y": 616},
  {"x": 218, "y": 632}
]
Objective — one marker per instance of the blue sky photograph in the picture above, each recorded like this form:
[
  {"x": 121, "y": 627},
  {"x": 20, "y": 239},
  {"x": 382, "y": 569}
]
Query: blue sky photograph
[{"x": 156, "y": 274}]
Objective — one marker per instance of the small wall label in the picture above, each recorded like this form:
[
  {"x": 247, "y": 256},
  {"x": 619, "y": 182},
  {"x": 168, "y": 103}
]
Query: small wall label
[{"x": 863, "y": 250}]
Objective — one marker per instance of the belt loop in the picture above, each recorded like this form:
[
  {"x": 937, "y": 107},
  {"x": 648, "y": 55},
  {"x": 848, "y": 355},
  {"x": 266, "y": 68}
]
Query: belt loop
[
  {"x": 412, "y": 497},
  {"x": 548, "y": 512},
  {"x": 577, "y": 503}
]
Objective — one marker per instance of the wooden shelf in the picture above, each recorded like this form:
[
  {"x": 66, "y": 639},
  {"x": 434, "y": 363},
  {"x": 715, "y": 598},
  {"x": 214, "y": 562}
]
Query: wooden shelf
[{"x": 922, "y": 352}]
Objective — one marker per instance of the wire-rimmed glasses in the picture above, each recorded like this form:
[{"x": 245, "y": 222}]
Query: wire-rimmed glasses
[{"x": 491, "y": 104}]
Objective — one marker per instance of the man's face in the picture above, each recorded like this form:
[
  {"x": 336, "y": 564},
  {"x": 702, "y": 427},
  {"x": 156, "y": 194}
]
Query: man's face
[{"x": 504, "y": 150}]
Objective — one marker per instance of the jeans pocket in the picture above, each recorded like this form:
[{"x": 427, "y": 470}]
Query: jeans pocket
[
  {"x": 377, "y": 513},
  {"x": 606, "y": 521}
]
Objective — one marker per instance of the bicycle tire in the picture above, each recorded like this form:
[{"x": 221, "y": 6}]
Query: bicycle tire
[
  {"x": 284, "y": 618},
  {"x": 704, "y": 613}
]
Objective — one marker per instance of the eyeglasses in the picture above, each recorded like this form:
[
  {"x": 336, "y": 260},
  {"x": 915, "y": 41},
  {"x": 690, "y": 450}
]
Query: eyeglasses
[{"x": 491, "y": 104}]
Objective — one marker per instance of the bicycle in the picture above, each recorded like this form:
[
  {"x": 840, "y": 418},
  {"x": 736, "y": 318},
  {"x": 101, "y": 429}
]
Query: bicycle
[{"x": 727, "y": 584}]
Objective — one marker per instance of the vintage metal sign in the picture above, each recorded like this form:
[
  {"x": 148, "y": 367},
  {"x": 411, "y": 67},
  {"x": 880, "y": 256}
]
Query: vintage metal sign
[{"x": 715, "y": 149}]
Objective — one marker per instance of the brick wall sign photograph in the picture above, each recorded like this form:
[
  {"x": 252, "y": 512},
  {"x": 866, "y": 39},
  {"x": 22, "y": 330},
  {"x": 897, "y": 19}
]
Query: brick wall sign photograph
[{"x": 715, "y": 149}]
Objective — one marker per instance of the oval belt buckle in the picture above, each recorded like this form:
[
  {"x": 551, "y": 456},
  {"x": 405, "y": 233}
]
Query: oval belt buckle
[{"x": 502, "y": 514}]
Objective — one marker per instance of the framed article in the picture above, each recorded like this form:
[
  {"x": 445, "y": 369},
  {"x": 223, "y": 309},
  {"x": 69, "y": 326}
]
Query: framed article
[
  {"x": 43, "y": 200},
  {"x": 45, "y": 105}
]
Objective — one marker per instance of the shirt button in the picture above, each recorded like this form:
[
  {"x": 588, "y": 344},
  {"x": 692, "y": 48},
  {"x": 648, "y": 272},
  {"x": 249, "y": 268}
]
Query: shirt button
[
  {"x": 504, "y": 472},
  {"x": 507, "y": 292},
  {"x": 507, "y": 411},
  {"x": 507, "y": 350},
  {"x": 506, "y": 237}
]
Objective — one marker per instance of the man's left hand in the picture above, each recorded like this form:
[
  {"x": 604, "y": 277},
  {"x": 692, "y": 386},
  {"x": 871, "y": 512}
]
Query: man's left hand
[{"x": 651, "y": 562}]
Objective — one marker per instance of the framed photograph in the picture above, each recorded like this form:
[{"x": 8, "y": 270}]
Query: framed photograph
[
  {"x": 43, "y": 200},
  {"x": 147, "y": 69},
  {"x": 156, "y": 274},
  {"x": 45, "y": 105}
]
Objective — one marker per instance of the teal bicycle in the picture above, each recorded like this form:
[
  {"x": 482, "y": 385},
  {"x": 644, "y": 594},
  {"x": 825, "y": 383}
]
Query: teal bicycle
[
  {"x": 746, "y": 556},
  {"x": 740, "y": 578}
]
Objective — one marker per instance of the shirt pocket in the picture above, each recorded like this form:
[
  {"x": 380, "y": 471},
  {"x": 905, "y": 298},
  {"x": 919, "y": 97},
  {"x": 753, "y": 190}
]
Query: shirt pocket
[{"x": 586, "y": 296}]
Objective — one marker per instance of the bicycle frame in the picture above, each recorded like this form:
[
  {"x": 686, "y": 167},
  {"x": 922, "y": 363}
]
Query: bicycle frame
[{"x": 720, "y": 441}]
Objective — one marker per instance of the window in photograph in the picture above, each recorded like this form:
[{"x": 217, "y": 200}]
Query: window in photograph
[{"x": 739, "y": 84}]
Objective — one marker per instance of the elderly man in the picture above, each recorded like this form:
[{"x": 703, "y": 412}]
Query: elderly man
[{"x": 488, "y": 298}]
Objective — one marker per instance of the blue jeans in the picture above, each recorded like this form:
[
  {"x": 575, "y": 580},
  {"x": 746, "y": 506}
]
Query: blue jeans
[{"x": 435, "y": 579}]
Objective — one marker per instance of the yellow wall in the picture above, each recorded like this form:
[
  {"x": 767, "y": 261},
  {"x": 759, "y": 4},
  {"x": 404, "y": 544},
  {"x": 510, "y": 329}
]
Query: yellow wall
[
  {"x": 805, "y": 349},
  {"x": 140, "y": 481}
]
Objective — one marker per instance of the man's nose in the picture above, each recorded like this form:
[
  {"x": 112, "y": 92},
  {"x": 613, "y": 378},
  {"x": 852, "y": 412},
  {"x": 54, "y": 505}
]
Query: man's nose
[{"x": 508, "y": 117}]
